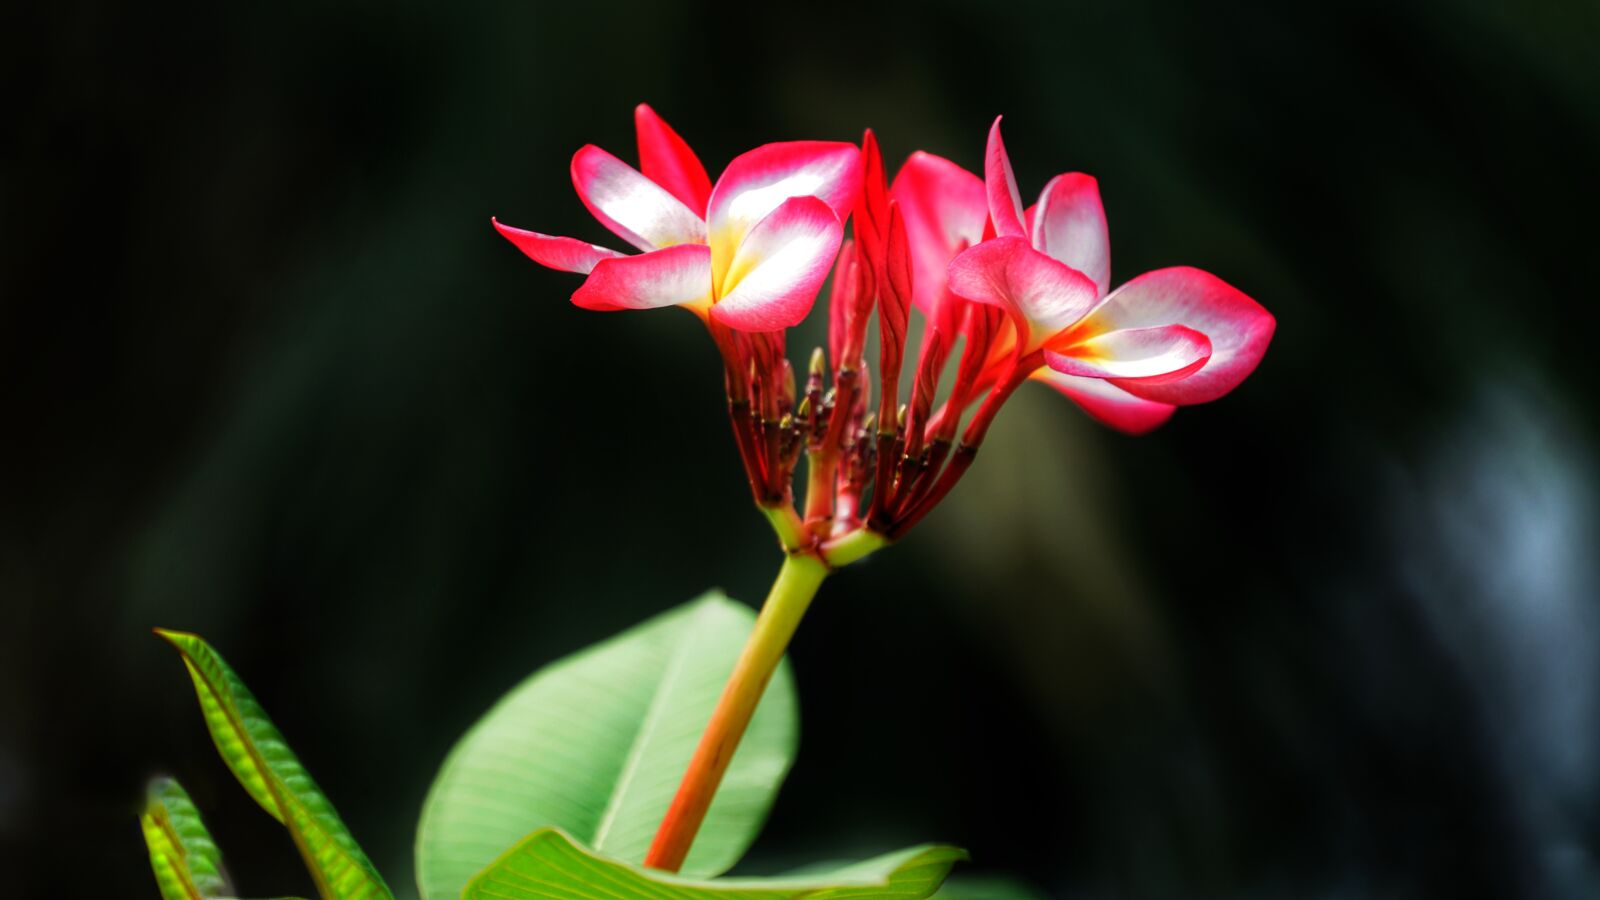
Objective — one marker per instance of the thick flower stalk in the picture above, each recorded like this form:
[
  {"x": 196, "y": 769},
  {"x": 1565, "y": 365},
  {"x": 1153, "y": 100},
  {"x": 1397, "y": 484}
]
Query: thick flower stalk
[{"x": 1006, "y": 294}]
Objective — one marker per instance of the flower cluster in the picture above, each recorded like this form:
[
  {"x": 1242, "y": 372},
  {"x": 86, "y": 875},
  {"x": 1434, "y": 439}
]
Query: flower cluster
[{"x": 1007, "y": 294}]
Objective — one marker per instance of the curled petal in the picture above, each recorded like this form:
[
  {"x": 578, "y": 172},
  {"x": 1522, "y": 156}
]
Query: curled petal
[
  {"x": 674, "y": 276},
  {"x": 1005, "y": 201},
  {"x": 635, "y": 208},
  {"x": 666, "y": 159},
  {"x": 1069, "y": 224},
  {"x": 1152, "y": 355},
  {"x": 1238, "y": 328},
  {"x": 944, "y": 210},
  {"x": 1108, "y": 404},
  {"x": 756, "y": 182},
  {"x": 563, "y": 253},
  {"x": 1045, "y": 294},
  {"x": 779, "y": 267}
]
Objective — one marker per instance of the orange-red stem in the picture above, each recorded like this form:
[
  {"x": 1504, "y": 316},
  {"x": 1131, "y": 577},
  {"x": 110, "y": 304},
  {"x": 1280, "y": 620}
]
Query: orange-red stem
[{"x": 797, "y": 582}]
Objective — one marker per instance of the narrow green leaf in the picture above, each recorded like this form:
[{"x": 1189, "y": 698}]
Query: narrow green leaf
[
  {"x": 595, "y": 745},
  {"x": 549, "y": 865},
  {"x": 252, "y": 747},
  {"x": 186, "y": 862}
]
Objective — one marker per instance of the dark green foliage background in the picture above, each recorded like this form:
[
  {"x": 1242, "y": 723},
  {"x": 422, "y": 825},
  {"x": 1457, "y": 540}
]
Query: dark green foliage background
[{"x": 269, "y": 376}]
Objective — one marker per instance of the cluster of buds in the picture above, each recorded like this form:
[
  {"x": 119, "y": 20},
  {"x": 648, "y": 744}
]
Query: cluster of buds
[
  {"x": 883, "y": 466},
  {"x": 1007, "y": 294}
]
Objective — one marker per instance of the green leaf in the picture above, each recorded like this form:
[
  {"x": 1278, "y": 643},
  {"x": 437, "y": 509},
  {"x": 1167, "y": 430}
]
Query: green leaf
[
  {"x": 269, "y": 771},
  {"x": 548, "y": 865},
  {"x": 595, "y": 745},
  {"x": 186, "y": 863}
]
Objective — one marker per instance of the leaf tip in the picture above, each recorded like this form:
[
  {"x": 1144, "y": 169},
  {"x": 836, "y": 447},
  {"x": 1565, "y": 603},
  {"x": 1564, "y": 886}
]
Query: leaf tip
[
  {"x": 712, "y": 597},
  {"x": 178, "y": 639},
  {"x": 159, "y": 785}
]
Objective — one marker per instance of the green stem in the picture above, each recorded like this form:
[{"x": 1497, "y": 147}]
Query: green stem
[
  {"x": 797, "y": 583},
  {"x": 853, "y": 546},
  {"x": 787, "y": 526}
]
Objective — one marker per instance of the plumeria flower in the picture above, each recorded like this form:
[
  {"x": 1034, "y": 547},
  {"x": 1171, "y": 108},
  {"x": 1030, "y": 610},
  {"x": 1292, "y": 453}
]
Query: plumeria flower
[
  {"x": 1015, "y": 294},
  {"x": 1129, "y": 357},
  {"x": 749, "y": 253},
  {"x": 1022, "y": 294}
]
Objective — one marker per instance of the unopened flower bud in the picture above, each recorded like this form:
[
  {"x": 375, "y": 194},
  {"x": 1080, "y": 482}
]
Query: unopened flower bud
[{"x": 788, "y": 384}]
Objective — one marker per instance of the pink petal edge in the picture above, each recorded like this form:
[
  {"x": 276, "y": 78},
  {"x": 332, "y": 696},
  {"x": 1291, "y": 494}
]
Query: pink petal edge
[
  {"x": 944, "y": 209},
  {"x": 667, "y": 159},
  {"x": 1005, "y": 201},
  {"x": 1238, "y": 327},
  {"x": 757, "y": 181},
  {"x": 1043, "y": 295},
  {"x": 673, "y": 276},
  {"x": 1069, "y": 224},
  {"x": 1108, "y": 404},
  {"x": 1149, "y": 355},
  {"x": 562, "y": 253},
  {"x": 635, "y": 208}
]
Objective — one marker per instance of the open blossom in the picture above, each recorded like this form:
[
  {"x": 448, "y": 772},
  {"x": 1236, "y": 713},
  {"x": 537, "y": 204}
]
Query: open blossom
[
  {"x": 1007, "y": 294},
  {"x": 1168, "y": 338},
  {"x": 750, "y": 252}
]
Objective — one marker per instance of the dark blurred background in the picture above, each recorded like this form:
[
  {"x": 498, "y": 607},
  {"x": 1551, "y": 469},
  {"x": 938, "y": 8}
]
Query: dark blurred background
[{"x": 270, "y": 376}]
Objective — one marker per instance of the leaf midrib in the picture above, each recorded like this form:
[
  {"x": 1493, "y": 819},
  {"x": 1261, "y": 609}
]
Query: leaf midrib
[
  {"x": 180, "y": 865},
  {"x": 268, "y": 777},
  {"x": 647, "y": 729}
]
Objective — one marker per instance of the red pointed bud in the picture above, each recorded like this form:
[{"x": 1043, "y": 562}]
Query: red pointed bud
[
  {"x": 872, "y": 209},
  {"x": 842, "y": 301},
  {"x": 894, "y": 309},
  {"x": 787, "y": 398}
]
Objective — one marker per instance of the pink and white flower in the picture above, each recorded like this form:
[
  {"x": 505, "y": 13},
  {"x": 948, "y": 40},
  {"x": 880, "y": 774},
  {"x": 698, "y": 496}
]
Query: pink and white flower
[
  {"x": 749, "y": 252},
  {"x": 1008, "y": 294},
  {"x": 1129, "y": 357}
]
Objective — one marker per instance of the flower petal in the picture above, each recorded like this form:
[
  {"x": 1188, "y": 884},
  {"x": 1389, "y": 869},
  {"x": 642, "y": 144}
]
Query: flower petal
[
  {"x": 944, "y": 209},
  {"x": 1152, "y": 355},
  {"x": 1005, "y": 202},
  {"x": 756, "y": 182},
  {"x": 780, "y": 266},
  {"x": 1108, "y": 404},
  {"x": 1238, "y": 328},
  {"x": 635, "y": 208},
  {"x": 1046, "y": 294},
  {"x": 563, "y": 253},
  {"x": 666, "y": 159},
  {"x": 1069, "y": 224},
  {"x": 674, "y": 276}
]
